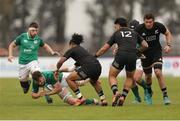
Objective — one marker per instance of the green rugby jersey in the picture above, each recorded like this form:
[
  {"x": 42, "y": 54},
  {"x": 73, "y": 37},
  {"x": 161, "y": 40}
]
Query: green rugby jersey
[
  {"x": 49, "y": 76},
  {"x": 28, "y": 47}
]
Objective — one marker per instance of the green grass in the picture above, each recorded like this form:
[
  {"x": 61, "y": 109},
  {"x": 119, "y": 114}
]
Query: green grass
[{"x": 15, "y": 105}]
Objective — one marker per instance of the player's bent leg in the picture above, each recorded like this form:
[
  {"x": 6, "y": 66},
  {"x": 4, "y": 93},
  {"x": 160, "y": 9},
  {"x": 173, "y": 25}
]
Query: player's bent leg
[
  {"x": 148, "y": 91},
  {"x": 25, "y": 84},
  {"x": 161, "y": 80},
  {"x": 127, "y": 86},
  {"x": 72, "y": 84},
  {"x": 67, "y": 97},
  {"x": 23, "y": 77},
  {"x": 137, "y": 76},
  {"x": 113, "y": 73},
  {"x": 97, "y": 86}
]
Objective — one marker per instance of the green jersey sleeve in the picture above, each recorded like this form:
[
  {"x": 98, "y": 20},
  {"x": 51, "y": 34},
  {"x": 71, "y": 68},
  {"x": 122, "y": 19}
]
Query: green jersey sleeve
[
  {"x": 41, "y": 43},
  {"x": 35, "y": 87},
  {"x": 60, "y": 76},
  {"x": 18, "y": 39}
]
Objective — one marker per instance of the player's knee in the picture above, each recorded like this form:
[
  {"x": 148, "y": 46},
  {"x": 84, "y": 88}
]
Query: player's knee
[
  {"x": 158, "y": 72},
  {"x": 148, "y": 77},
  {"x": 137, "y": 78},
  {"x": 23, "y": 78}
]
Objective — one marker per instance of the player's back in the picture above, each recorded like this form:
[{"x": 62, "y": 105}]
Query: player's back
[
  {"x": 81, "y": 56},
  {"x": 126, "y": 40}
]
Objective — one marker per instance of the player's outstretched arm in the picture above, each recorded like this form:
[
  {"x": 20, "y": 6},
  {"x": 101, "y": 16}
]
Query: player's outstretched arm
[
  {"x": 102, "y": 50},
  {"x": 57, "y": 89},
  {"x": 10, "y": 51},
  {"x": 60, "y": 62},
  {"x": 50, "y": 50},
  {"x": 38, "y": 94}
]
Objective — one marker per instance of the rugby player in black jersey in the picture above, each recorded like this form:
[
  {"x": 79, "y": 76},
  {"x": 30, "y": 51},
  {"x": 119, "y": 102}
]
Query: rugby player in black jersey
[
  {"x": 88, "y": 67},
  {"x": 150, "y": 31},
  {"x": 126, "y": 39}
]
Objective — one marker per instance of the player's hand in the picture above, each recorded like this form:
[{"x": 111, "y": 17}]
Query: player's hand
[
  {"x": 114, "y": 51},
  {"x": 10, "y": 58},
  {"x": 55, "y": 53},
  {"x": 167, "y": 49},
  {"x": 42, "y": 93}
]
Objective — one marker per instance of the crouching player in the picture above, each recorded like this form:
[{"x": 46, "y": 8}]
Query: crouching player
[{"x": 54, "y": 82}]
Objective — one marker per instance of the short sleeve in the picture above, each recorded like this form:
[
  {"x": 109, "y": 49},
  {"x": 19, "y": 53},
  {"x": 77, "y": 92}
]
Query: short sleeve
[
  {"x": 41, "y": 44},
  {"x": 18, "y": 39},
  {"x": 111, "y": 40},
  {"x": 68, "y": 53},
  {"x": 161, "y": 27},
  {"x": 35, "y": 87},
  {"x": 139, "y": 39}
]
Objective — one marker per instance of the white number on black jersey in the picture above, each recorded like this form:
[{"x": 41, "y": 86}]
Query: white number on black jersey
[{"x": 126, "y": 34}]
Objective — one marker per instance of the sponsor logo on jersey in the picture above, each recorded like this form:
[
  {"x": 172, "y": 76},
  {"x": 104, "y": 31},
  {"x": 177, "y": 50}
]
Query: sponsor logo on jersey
[
  {"x": 25, "y": 40},
  {"x": 143, "y": 34},
  {"x": 32, "y": 47},
  {"x": 35, "y": 41},
  {"x": 27, "y": 50},
  {"x": 151, "y": 38}
]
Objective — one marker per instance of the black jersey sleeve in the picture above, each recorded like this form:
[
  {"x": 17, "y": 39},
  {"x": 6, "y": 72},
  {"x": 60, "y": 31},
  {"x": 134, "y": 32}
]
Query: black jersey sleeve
[
  {"x": 139, "y": 39},
  {"x": 161, "y": 27},
  {"x": 69, "y": 53},
  {"x": 111, "y": 40}
]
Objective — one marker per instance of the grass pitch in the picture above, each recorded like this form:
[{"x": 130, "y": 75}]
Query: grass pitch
[{"x": 16, "y": 105}]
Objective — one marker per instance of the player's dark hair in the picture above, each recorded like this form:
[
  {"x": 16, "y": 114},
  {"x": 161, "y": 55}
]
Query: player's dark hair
[
  {"x": 76, "y": 39},
  {"x": 133, "y": 24},
  {"x": 149, "y": 16},
  {"x": 34, "y": 24},
  {"x": 36, "y": 75},
  {"x": 121, "y": 21}
]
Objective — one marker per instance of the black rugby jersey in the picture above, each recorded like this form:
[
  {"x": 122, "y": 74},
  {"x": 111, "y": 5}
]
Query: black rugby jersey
[
  {"x": 126, "y": 39},
  {"x": 81, "y": 56},
  {"x": 151, "y": 36}
]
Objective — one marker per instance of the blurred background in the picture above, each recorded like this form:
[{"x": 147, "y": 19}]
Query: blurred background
[{"x": 59, "y": 19}]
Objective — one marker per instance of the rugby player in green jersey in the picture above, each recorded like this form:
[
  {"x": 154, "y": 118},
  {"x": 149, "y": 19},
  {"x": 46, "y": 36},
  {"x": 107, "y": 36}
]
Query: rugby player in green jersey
[
  {"x": 29, "y": 44},
  {"x": 53, "y": 82}
]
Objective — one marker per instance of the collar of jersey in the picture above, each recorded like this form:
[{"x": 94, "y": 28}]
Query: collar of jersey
[{"x": 29, "y": 38}]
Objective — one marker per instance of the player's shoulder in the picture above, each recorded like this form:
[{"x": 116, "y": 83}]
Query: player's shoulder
[
  {"x": 22, "y": 35},
  {"x": 158, "y": 24},
  {"x": 47, "y": 72}
]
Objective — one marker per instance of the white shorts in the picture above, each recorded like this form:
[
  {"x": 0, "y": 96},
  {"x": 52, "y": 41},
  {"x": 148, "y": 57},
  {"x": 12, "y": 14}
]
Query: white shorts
[
  {"x": 25, "y": 70},
  {"x": 139, "y": 65},
  {"x": 63, "y": 81}
]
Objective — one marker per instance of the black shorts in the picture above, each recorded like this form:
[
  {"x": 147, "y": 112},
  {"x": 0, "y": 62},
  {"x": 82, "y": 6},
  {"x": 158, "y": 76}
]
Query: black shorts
[
  {"x": 154, "y": 60},
  {"x": 92, "y": 71},
  {"x": 125, "y": 60}
]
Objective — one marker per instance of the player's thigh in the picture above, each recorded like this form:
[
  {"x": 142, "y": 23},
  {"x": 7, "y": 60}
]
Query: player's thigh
[
  {"x": 23, "y": 72},
  {"x": 130, "y": 64},
  {"x": 73, "y": 76},
  {"x": 147, "y": 65},
  {"x": 113, "y": 72},
  {"x": 34, "y": 66},
  {"x": 93, "y": 71},
  {"x": 157, "y": 61},
  {"x": 119, "y": 61}
]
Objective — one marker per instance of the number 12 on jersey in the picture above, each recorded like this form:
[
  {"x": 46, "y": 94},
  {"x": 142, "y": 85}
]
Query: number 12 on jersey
[{"x": 126, "y": 33}]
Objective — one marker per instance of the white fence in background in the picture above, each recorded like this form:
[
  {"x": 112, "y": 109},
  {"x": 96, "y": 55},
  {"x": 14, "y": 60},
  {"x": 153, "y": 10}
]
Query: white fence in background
[{"x": 171, "y": 66}]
